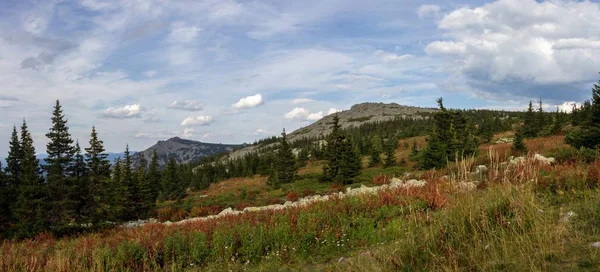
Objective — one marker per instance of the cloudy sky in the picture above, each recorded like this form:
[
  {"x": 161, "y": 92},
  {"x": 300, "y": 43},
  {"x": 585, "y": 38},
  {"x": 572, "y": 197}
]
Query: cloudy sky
[{"x": 234, "y": 71}]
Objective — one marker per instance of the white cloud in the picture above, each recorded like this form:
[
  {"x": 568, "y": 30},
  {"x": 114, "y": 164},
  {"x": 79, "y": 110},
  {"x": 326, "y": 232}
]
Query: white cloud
[
  {"x": 302, "y": 101},
  {"x": 188, "y": 133},
  {"x": 150, "y": 73},
  {"x": 523, "y": 47},
  {"x": 390, "y": 57},
  {"x": 35, "y": 25},
  {"x": 127, "y": 111},
  {"x": 248, "y": 102},
  {"x": 332, "y": 111},
  {"x": 187, "y": 105},
  {"x": 183, "y": 33},
  {"x": 303, "y": 114},
  {"x": 261, "y": 131},
  {"x": 201, "y": 120},
  {"x": 427, "y": 10},
  {"x": 155, "y": 135}
]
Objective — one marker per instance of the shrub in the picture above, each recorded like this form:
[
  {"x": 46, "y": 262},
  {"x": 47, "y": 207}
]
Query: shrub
[{"x": 292, "y": 196}]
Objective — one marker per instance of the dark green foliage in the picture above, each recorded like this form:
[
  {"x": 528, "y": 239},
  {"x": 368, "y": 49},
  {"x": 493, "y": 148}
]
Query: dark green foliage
[
  {"x": 30, "y": 207},
  {"x": 13, "y": 169},
  {"x": 61, "y": 188},
  {"x": 82, "y": 188},
  {"x": 450, "y": 136},
  {"x": 529, "y": 123},
  {"x": 343, "y": 159},
  {"x": 285, "y": 164},
  {"x": 486, "y": 128},
  {"x": 390, "y": 156},
  {"x": 172, "y": 188},
  {"x": 5, "y": 218},
  {"x": 96, "y": 194},
  {"x": 588, "y": 133},
  {"x": 375, "y": 158},
  {"x": 519, "y": 147},
  {"x": 350, "y": 163}
]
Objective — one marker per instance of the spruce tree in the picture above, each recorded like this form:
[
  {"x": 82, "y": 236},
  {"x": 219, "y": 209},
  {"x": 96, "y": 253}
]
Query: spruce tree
[
  {"x": 116, "y": 195},
  {"x": 5, "y": 217},
  {"x": 13, "y": 167},
  {"x": 61, "y": 186},
  {"x": 350, "y": 163},
  {"x": 98, "y": 196},
  {"x": 171, "y": 184},
  {"x": 375, "y": 158},
  {"x": 519, "y": 147},
  {"x": 333, "y": 151},
  {"x": 130, "y": 191},
  {"x": 285, "y": 163},
  {"x": 154, "y": 177},
  {"x": 30, "y": 208},
  {"x": 390, "y": 156},
  {"x": 588, "y": 133},
  {"x": 146, "y": 201},
  {"x": 530, "y": 126},
  {"x": 83, "y": 190}
]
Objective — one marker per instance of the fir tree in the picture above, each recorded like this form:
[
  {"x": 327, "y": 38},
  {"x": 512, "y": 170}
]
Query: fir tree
[
  {"x": 30, "y": 208},
  {"x": 519, "y": 146},
  {"x": 285, "y": 163},
  {"x": 154, "y": 177},
  {"x": 13, "y": 168},
  {"x": 375, "y": 158},
  {"x": 530, "y": 128},
  {"x": 5, "y": 217},
  {"x": 130, "y": 191},
  {"x": 333, "y": 151},
  {"x": 171, "y": 183},
  {"x": 98, "y": 196},
  {"x": 390, "y": 156},
  {"x": 146, "y": 199},
  {"x": 84, "y": 209},
  {"x": 588, "y": 133},
  {"x": 58, "y": 163},
  {"x": 350, "y": 163}
]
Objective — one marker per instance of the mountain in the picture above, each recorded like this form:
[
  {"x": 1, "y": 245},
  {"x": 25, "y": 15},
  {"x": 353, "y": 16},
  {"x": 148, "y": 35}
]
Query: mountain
[
  {"x": 111, "y": 157},
  {"x": 182, "y": 150},
  {"x": 357, "y": 115}
]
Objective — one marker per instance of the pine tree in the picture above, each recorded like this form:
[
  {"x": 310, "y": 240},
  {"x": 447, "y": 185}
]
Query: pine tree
[
  {"x": 333, "y": 151},
  {"x": 154, "y": 177},
  {"x": 171, "y": 185},
  {"x": 116, "y": 193},
  {"x": 285, "y": 163},
  {"x": 98, "y": 196},
  {"x": 13, "y": 168},
  {"x": 530, "y": 128},
  {"x": 375, "y": 158},
  {"x": 130, "y": 191},
  {"x": 588, "y": 133},
  {"x": 30, "y": 207},
  {"x": 61, "y": 187},
  {"x": 350, "y": 163},
  {"x": 5, "y": 217},
  {"x": 390, "y": 156},
  {"x": 146, "y": 200},
  {"x": 540, "y": 118},
  {"x": 82, "y": 185},
  {"x": 519, "y": 146}
]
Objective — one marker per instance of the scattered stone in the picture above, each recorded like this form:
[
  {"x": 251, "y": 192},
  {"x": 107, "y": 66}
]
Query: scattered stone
[
  {"x": 341, "y": 260},
  {"x": 480, "y": 169},
  {"x": 543, "y": 159},
  {"x": 505, "y": 140},
  {"x": 596, "y": 245}
]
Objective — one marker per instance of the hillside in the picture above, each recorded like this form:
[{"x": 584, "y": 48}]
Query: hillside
[
  {"x": 182, "y": 150},
  {"x": 357, "y": 115}
]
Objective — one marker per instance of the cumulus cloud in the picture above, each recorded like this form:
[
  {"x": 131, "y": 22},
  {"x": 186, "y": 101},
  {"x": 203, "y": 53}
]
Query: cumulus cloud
[
  {"x": 201, "y": 120},
  {"x": 390, "y": 57},
  {"x": 523, "y": 47},
  {"x": 332, "y": 111},
  {"x": 248, "y": 102},
  {"x": 428, "y": 10},
  {"x": 125, "y": 112},
  {"x": 188, "y": 133},
  {"x": 187, "y": 105},
  {"x": 303, "y": 114}
]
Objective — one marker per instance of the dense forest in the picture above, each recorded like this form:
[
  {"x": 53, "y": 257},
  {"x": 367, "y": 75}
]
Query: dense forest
[{"x": 79, "y": 190}]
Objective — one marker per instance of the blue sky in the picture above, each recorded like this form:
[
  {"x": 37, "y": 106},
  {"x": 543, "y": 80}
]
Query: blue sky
[{"x": 230, "y": 71}]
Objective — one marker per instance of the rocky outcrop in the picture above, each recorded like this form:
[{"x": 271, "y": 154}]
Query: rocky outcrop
[{"x": 183, "y": 151}]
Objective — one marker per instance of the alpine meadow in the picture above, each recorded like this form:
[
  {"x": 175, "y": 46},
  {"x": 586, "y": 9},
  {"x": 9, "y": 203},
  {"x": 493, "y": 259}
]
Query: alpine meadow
[{"x": 158, "y": 135}]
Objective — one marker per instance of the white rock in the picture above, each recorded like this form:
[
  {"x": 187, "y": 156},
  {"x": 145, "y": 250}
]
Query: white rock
[{"x": 596, "y": 245}]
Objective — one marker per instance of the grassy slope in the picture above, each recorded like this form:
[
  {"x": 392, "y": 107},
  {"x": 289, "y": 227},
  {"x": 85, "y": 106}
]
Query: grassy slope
[{"x": 514, "y": 222}]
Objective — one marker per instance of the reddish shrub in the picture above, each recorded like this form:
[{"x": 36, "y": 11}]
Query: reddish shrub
[
  {"x": 307, "y": 192},
  {"x": 381, "y": 180},
  {"x": 292, "y": 196},
  {"x": 336, "y": 187}
]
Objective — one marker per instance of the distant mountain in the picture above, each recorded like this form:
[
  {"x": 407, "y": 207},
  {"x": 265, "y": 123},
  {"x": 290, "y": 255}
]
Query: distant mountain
[
  {"x": 357, "y": 115},
  {"x": 183, "y": 151}
]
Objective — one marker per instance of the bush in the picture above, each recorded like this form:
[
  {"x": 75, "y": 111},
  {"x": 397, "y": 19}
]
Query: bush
[{"x": 292, "y": 196}]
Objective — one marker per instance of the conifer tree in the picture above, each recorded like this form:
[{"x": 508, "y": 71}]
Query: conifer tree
[
  {"x": 390, "y": 156},
  {"x": 540, "y": 118},
  {"x": 154, "y": 177},
  {"x": 333, "y": 151},
  {"x": 530, "y": 128},
  {"x": 285, "y": 163},
  {"x": 5, "y": 218},
  {"x": 588, "y": 133},
  {"x": 30, "y": 207},
  {"x": 375, "y": 158},
  {"x": 171, "y": 182},
  {"x": 350, "y": 163},
  {"x": 98, "y": 196},
  {"x": 13, "y": 167},
  {"x": 116, "y": 195},
  {"x": 61, "y": 186},
  {"x": 519, "y": 146},
  {"x": 130, "y": 191},
  {"x": 146, "y": 200},
  {"x": 83, "y": 190}
]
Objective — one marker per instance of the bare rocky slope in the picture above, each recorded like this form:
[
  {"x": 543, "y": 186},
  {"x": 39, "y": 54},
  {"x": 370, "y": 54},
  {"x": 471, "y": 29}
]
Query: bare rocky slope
[
  {"x": 183, "y": 151},
  {"x": 357, "y": 115}
]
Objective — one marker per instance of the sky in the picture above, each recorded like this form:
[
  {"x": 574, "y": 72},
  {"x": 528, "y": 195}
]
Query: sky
[{"x": 227, "y": 71}]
